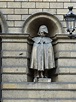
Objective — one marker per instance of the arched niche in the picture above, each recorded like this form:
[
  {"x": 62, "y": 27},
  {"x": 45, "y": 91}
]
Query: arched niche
[
  {"x": 3, "y": 24},
  {"x": 31, "y": 25}
]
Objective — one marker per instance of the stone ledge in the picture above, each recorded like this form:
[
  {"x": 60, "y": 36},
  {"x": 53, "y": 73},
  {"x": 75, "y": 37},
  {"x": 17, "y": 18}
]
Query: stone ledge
[
  {"x": 14, "y": 35},
  {"x": 52, "y": 94},
  {"x": 40, "y": 100},
  {"x": 39, "y": 86}
]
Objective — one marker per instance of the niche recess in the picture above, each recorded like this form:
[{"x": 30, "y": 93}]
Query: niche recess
[{"x": 32, "y": 24}]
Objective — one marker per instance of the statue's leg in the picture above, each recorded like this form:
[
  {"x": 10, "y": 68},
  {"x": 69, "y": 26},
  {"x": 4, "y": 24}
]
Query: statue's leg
[
  {"x": 46, "y": 73},
  {"x": 36, "y": 75},
  {"x": 42, "y": 74}
]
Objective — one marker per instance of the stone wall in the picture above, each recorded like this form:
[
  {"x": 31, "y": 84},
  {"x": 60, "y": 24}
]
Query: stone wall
[
  {"x": 17, "y": 11},
  {"x": 15, "y": 54}
]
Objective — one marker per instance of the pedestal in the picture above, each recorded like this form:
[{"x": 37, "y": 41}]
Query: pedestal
[{"x": 44, "y": 80}]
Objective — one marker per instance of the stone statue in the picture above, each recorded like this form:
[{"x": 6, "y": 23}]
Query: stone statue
[{"x": 42, "y": 57}]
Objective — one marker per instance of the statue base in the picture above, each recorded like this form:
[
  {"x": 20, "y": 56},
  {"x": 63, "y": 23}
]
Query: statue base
[{"x": 44, "y": 80}]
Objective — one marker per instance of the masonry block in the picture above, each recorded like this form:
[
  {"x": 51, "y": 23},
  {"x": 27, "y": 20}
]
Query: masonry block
[
  {"x": 15, "y": 78},
  {"x": 66, "y": 62},
  {"x": 42, "y": 5},
  {"x": 15, "y": 54},
  {"x": 56, "y": 5},
  {"x": 14, "y": 46},
  {"x": 21, "y": 11},
  {"x": 28, "y": 4},
  {"x": 52, "y": 11},
  {"x": 65, "y": 47},
  {"x": 18, "y": 70},
  {"x": 65, "y": 78},
  {"x": 14, "y": 62},
  {"x": 32, "y": 11},
  {"x": 7, "y": 11},
  {"x": 14, "y": 17},
  {"x": 3, "y": 4},
  {"x": 66, "y": 5},
  {"x": 14, "y": 4},
  {"x": 62, "y": 11}
]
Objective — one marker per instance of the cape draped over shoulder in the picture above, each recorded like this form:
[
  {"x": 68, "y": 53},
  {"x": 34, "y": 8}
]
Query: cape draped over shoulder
[{"x": 42, "y": 56}]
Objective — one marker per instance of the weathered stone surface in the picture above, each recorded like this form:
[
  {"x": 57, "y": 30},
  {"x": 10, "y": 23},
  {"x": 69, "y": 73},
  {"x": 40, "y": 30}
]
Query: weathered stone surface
[
  {"x": 32, "y": 11},
  {"x": 16, "y": 54},
  {"x": 67, "y": 70},
  {"x": 14, "y": 30},
  {"x": 7, "y": 11},
  {"x": 14, "y": 46},
  {"x": 39, "y": 100},
  {"x": 65, "y": 78},
  {"x": 14, "y": 4},
  {"x": 40, "y": 86},
  {"x": 14, "y": 70},
  {"x": 63, "y": 0},
  {"x": 44, "y": 80},
  {"x": 62, "y": 11},
  {"x": 38, "y": 94},
  {"x": 17, "y": 40},
  {"x": 56, "y": 5},
  {"x": 28, "y": 4},
  {"x": 3, "y": 4},
  {"x": 66, "y": 54},
  {"x": 66, "y": 62},
  {"x": 65, "y": 47},
  {"x": 14, "y": 17},
  {"x": 42, "y": 5},
  {"x": 14, "y": 78},
  {"x": 19, "y": 24},
  {"x": 14, "y": 62},
  {"x": 66, "y": 5},
  {"x": 21, "y": 11},
  {"x": 52, "y": 11}
]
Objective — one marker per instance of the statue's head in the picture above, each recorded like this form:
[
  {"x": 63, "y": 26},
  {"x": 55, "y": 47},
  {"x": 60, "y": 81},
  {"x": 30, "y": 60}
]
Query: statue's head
[{"x": 42, "y": 30}]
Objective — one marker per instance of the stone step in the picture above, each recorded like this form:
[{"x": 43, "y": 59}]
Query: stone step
[
  {"x": 39, "y": 86},
  {"x": 39, "y": 100},
  {"x": 38, "y": 90},
  {"x": 38, "y": 94}
]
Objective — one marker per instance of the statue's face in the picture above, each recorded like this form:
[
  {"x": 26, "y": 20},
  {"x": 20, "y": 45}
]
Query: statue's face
[{"x": 43, "y": 30}]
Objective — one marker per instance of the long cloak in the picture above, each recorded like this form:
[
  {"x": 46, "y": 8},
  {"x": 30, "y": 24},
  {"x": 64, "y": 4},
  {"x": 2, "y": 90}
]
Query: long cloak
[{"x": 42, "y": 56}]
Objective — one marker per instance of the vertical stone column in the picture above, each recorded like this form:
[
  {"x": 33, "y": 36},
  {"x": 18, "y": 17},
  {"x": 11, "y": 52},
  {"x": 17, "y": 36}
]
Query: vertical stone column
[
  {"x": 65, "y": 55},
  {"x": 15, "y": 58}
]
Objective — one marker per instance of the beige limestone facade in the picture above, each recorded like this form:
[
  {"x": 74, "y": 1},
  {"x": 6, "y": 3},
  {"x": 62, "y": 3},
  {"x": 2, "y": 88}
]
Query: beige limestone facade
[{"x": 20, "y": 19}]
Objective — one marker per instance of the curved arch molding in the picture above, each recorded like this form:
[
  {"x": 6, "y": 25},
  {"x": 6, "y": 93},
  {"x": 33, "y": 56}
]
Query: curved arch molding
[
  {"x": 3, "y": 23},
  {"x": 31, "y": 25}
]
